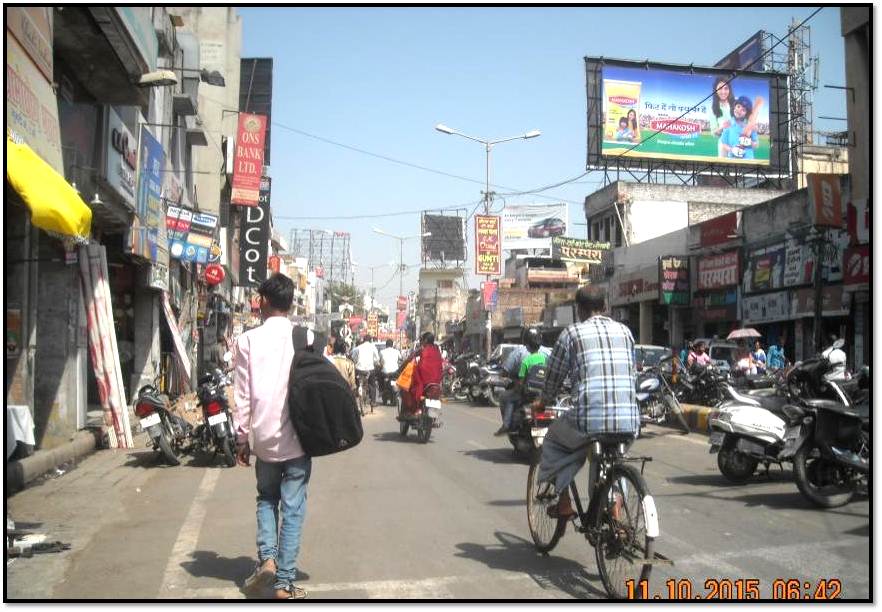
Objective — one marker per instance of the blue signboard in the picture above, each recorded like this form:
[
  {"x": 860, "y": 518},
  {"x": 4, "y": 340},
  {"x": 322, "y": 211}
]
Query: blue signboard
[{"x": 149, "y": 196}]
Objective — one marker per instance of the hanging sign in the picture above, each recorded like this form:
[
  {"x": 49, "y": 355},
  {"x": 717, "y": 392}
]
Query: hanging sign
[
  {"x": 825, "y": 199},
  {"x": 858, "y": 218},
  {"x": 214, "y": 274},
  {"x": 488, "y": 247},
  {"x": 857, "y": 266},
  {"x": 190, "y": 234},
  {"x": 578, "y": 250},
  {"x": 254, "y": 239},
  {"x": 673, "y": 280},
  {"x": 248, "y": 161},
  {"x": 718, "y": 271},
  {"x": 490, "y": 295}
]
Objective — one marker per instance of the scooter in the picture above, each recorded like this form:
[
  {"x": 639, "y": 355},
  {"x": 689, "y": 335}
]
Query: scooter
[
  {"x": 216, "y": 434},
  {"x": 167, "y": 431}
]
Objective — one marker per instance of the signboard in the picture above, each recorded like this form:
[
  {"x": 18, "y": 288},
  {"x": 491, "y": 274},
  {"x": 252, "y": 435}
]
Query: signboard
[
  {"x": 254, "y": 238},
  {"x": 214, "y": 274},
  {"x": 400, "y": 319},
  {"x": 825, "y": 199},
  {"x": 120, "y": 157},
  {"x": 718, "y": 271},
  {"x": 748, "y": 56},
  {"x": 275, "y": 264},
  {"x": 531, "y": 226},
  {"x": 764, "y": 269},
  {"x": 673, "y": 280},
  {"x": 799, "y": 264},
  {"x": 190, "y": 234},
  {"x": 766, "y": 308},
  {"x": 152, "y": 161},
  {"x": 158, "y": 276},
  {"x": 402, "y": 302},
  {"x": 248, "y": 161},
  {"x": 488, "y": 248},
  {"x": 578, "y": 250},
  {"x": 718, "y": 230},
  {"x": 857, "y": 265},
  {"x": 730, "y": 126},
  {"x": 32, "y": 28},
  {"x": 638, "y": 286},
  {"x": 858, "y": 217},
  {"x": 373, "y": 324},
  {"x": 834, "y": 302},
  {"x": 489, "y": 295}
]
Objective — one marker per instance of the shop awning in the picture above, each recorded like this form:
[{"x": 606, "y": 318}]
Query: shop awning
[{"x": 55, "y": 205}]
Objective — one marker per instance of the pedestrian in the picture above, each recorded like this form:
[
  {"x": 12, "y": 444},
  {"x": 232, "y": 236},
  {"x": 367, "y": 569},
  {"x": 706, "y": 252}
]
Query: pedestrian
[
  {"x": 343, "y": 363},
  {"x": 759, "y": 357},
  {"x": 263, "y": 363}
]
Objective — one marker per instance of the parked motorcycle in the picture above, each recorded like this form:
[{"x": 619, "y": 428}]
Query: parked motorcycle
[
  {"x": 494, "y": 382},
  {"x": 699, "y": 385},
  {"x": 426, "y": 418},
  {"x": 829, "y": 439},
  {"x": 467, "y": 377},
  {"x": 656, "y": 399},
  {"x": 216, "y": 433},
  {"x": 167, "y": 431},
  {"x": 449, "y": 378}
]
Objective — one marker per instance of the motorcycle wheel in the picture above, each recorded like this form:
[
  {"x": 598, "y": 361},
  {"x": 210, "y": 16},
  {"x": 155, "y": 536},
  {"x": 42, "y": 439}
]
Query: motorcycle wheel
[
  {"x": 475, "y": 394},
  {"x": 425, "y": 429},
  {"x": 493, "y": 396},
  {"x": 808, "y": 468},
  {"x": 165, "y": 447},
  {"x": 229, "y": 452},
  {"x": 735, "y": 466},
  {"x": 458, "y": 393}
]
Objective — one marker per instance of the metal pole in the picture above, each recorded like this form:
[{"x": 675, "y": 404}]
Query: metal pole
[
  {"x": 817, "y": 247},
  {"x": 400, "y": 288},
  {"x": 489, "y": 324}
]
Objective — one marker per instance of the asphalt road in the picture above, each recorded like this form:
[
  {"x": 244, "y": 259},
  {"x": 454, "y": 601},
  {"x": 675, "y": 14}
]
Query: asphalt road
[{"x": 394, "y": 518}]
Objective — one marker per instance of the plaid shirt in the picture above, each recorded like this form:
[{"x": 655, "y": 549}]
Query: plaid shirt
[{"x": 598, "y": 355}]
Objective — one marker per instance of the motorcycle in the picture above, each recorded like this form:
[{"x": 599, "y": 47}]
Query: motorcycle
[
  {"x": 167, "y": 431},
  {"x": 494, "y": 382},
  {"x": 530, "y": 426},
  {"x": 700, "y": 385},
  {"x": 467, "y": 368},
  {"x": 386, "y": 389},
  {"x": 656, "y": 399},
  {"x": 449, "y": 379},
  {"x": 829, "y": 439},
  {"x": 216, "y": 434},
  {"x": 426, "y": 418}
]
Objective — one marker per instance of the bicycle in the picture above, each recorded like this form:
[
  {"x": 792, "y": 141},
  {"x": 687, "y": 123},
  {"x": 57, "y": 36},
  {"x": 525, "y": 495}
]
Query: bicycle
[
  {"x": 364, "y": 392},
  {"x": 621, "y": 521}
]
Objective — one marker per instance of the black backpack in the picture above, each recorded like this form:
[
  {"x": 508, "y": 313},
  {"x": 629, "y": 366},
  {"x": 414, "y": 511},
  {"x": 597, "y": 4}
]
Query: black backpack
[{"x": 321, "y": 404}]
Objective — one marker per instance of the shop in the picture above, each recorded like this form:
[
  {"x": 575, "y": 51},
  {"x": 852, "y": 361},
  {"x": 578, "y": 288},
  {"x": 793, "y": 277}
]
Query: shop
[
  {"x": 634, "y": 300},
  {"x": 715, "y": 301}
]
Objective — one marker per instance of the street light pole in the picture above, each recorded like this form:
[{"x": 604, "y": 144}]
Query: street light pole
[
  {"x": 400, "y": 240},
  {"x": 488, "y": 147}
]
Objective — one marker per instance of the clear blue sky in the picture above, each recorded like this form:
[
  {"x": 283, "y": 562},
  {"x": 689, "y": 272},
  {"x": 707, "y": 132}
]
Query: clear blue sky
[{"x": 379, "y": 79}]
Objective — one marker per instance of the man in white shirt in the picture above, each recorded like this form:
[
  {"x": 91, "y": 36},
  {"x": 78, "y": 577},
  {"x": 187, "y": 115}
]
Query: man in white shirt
[
  {"x": 390, "y": 356},
  {"x": 837, "y": 359},
  {"x": 366, "y": 357}
]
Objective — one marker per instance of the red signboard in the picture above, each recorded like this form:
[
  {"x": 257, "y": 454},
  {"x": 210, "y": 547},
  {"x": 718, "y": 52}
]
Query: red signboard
[
  {"x": 214, "y": 274},
  {"x": 489, "y": 294},
  {"x": 488, "y": 246},
  {"x": 274, "y": 264},
  {"x": 857, "y": 266},
  {"x": 718, "y": 271},
  {"x": 400, "y": 319},
  {"x": 718, "y": 230},
  {"x": 825, "y": 199},
  {"x": 319, "y": 272},
  {"x": 402, "y": 302},
  {"x": 858, "y": 219},
  {"x": 248, "y": 161}
]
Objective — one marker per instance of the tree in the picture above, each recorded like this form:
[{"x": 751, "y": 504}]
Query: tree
[{"x": 341, "y": 292}]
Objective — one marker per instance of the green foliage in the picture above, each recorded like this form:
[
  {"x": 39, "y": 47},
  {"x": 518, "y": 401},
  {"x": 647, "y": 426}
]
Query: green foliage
[{"x": 341, "y": 293}]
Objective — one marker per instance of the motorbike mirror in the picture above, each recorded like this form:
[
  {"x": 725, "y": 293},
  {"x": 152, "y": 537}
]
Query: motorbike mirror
[{"x": 228, "y": 357}]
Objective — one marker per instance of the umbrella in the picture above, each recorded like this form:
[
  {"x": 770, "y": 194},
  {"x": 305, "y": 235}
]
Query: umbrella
[{"x": 744, "y": 332}]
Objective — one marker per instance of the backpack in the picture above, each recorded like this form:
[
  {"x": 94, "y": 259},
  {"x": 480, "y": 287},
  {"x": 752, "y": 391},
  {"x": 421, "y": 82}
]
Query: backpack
[
  {"x": 321, "y": 404},
  {"x": 534, "y": 380}
]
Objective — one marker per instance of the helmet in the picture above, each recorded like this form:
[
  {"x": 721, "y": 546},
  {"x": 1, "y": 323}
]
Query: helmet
[{"x": 532, "y": 338}]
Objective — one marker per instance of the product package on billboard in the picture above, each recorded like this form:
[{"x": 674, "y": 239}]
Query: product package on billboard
[{"x": 689, "y": 115}]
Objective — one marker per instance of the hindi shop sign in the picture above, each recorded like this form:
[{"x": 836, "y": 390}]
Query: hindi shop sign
[
  {"x": 578, "y": 250},
  {"x": 248, "y": 160},
  {"x": 673, "y": 280},
  {"x": 488, "y": 247},
  {"x": 254, "y": 239},
  {"x": 718, "y": 271}
]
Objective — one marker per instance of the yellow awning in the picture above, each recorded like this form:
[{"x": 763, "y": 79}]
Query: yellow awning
[{"x": 55, "y": 205}]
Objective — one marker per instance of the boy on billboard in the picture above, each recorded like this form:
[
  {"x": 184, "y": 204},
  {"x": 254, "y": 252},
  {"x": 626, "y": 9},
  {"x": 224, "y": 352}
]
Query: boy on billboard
[
  {"x": 740, "y": 139},
  {"x": 624, "y": 133}
]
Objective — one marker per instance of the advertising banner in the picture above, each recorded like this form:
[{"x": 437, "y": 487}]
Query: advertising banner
[
  {"x": 764, "y": 269},
  {"x": 489, "y": 295},
  {"x": 673, "y": 280},
  {"x": 730, "y": 127},
  {"x": 858, "y": 218},
  {"x": 120, "y": 157},
  {"x": 748, "y": 56},
  {"x": 578, "y": 250},
  {"x": 834, "y": 302},
  {"x": 857, "y": 265},
  {"x": 488, "y": 248},
  {"x": 531, "y": 226},
  {"x": 254, "y": 238},
  {"x": 718, "y": 271},
  {"x": 718, "y": 230},
  {"x": 190, "y": 234},
  {"x": 150, "y": 209},
  {"x": 825, "y": 199},
  {"x": 766, "y": 308},
  {"x": 799, "y": 264},
  {"x": 248, "y": 160},
  {"x": 402, "y": 302}
]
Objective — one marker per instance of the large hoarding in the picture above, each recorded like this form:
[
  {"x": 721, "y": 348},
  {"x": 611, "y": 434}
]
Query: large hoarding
[
  {"x": 447, "y": 241},
  {"x": 532, "y": 226},
  {"x": 748, "y": 56},
  {"x": 684, "y": 115}
]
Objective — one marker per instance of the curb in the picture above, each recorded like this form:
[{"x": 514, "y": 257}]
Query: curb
[
  {"x": 696, "y": 417},
  {"x": 20, "y": 473}
]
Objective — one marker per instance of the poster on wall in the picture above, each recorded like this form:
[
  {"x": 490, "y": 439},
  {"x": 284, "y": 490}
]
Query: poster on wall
[
  {"x": 489, "y": 295},
  {"x": 764, "y": 269},
  {"x": 255, "y": 236},
  {"x": 799, "y": 264},
  {"x": 673, "y": 280},
  {"x": 488, "y": 249},
  {"x": 532, "y": 226},
  {"x": 190, "y": 234},
  {"x": 248, "y": 160},
  {"x": 730, "y": 124},
  {"x": 718, "y": 271},
  {"x": 150, "y": 209},
  {"x": 766, "y": 308}
]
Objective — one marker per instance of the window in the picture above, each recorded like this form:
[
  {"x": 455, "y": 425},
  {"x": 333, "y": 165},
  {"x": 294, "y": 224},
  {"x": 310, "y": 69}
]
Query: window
[
  {"x": 618, "y": 234},
  {"x": 445, "y": 284},
  {"x": 606, "y": 230}
]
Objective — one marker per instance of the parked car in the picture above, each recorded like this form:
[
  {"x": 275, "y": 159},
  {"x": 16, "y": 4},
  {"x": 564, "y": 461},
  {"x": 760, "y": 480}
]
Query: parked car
[
  {"x": 722, "y": 353},
  {"x": 649, "y": 355},
  {"x": 546, "y": 228}
]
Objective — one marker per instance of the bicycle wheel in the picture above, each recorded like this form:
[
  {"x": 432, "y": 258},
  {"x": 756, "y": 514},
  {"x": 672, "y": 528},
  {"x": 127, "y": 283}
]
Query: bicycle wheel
[
  {"x": 626, "y": 526},
  {"x": 546, "y": 531},
  {"x": 361, "y": 398}
]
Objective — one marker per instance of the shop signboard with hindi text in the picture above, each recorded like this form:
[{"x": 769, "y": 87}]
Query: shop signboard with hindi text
[
  {"x": 578, "y": 250},
  {"x": 718, "y": 271},
  {"x": 765, "y": 308},
  {"x": 488, "y": 247},
  {"x": 248, "y": 160},
  {"x": 673, "y": 280}
]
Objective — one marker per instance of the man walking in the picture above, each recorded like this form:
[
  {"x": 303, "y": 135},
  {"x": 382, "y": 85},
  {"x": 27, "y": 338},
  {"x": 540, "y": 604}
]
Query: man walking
[{"x": 263, "y": 363}]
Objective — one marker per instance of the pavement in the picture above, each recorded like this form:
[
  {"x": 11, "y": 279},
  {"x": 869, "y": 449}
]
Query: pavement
[{"x": 396, "y": 519}]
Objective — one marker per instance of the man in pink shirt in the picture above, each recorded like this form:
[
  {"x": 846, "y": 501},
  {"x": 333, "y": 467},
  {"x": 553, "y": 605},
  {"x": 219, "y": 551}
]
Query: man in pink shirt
[{"x": 263, "y": 362}]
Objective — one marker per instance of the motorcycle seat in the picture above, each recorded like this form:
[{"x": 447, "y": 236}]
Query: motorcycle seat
[{"x": 860, "y": 411}]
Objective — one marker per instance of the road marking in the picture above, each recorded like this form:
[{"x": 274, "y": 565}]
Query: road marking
[{"x": 175, "y": 576}]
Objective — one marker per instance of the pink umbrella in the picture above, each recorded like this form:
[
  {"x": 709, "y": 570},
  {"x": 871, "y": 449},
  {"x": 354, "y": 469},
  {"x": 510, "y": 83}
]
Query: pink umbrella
[{"x": 744, "y": 332}]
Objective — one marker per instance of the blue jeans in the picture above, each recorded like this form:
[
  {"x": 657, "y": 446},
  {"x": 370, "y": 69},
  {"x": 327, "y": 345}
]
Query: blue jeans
[
  {"x": 284, "y": 484},
  {"x": 507, "y": 402}
]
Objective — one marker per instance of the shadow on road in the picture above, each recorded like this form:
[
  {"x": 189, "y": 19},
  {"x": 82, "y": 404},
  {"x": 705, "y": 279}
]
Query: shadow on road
[
  {"x": 515, "y": 554},
  {"x": 720, "y": 481},
  {"x": 146, "y": 459},
  {"x": 208, "y": 564},
  {"x": 496, "y": 455},
  {"x": 857, "y": 531},
  {"x": 394, "y": 436}
]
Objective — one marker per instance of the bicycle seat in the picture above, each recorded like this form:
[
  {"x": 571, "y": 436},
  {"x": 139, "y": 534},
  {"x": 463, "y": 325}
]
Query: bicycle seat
[{"x": 612, "y": 439}]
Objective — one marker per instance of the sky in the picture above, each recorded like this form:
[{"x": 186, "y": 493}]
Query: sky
[{"x": 378, "y": 79}]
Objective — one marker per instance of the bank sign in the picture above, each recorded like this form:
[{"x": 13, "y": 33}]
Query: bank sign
[
  {"x": 254, "y": 239},
  {"x": 248, "y": 160}
]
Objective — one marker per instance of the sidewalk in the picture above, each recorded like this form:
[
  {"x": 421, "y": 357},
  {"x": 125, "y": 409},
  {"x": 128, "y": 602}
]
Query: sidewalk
[{"x": 24, "y": 471}]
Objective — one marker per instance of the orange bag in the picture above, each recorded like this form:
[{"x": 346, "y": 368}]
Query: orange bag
[{"x": 405, "y": 379}]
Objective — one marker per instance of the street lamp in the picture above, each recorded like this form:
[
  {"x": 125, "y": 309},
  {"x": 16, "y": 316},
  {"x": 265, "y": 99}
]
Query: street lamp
[
  {"x": 401, "y": 240},
  {"x": 355, "y": 264},
  {"x": 166, "y": 77},
  {"x": 488, "y": 146}
]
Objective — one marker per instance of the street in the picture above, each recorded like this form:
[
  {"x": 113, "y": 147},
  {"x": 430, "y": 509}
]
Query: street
[{"x": 394, "y": 518}]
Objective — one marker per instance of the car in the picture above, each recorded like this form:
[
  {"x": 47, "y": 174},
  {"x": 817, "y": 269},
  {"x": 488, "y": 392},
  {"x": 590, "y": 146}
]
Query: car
[
  {"x": 723, "y": 353},
  {"x": 546, "y": 228},
  {"x": 647, "y": 355}
]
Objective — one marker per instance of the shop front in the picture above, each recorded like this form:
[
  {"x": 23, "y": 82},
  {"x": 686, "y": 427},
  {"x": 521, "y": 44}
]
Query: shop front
[
  {"x": 634, "y": 300},
  {"x": 715, "y": 301}
]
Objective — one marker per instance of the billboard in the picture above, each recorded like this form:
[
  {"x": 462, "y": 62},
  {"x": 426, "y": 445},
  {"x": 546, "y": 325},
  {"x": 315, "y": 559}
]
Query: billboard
[
  {"x": 673, "y": 280},
  {"x": 578, "y": 250},
  {"x": 447, "y": 242},
  {"x": 248, "y": 160},
  {"x": 488, "y": 251},
  {"x": 665, "y": 114},
  {"x": 532, "y": 226},
  {"x": 254, "y": 238},
  {"x": 190, "y": 233},
  {"x": 748, "y": 55}
]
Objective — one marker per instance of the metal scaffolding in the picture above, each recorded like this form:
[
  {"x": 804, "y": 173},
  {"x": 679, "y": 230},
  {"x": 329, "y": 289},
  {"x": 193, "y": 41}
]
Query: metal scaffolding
[{"x": 326, "y": 249}]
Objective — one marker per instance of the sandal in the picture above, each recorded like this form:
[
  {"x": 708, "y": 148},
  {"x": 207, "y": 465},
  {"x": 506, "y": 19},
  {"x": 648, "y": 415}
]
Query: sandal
[{"x": 291, "y": 592}]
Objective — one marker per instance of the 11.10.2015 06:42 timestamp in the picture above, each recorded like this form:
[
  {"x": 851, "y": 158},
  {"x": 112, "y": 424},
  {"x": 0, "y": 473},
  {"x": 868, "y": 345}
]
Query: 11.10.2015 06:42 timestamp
[{"x": 739, "y": 588}]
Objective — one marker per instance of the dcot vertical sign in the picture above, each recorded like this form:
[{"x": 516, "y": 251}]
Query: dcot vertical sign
[
  {"x": 248, "y": 160},
  {"x": 254, "y": 239}
]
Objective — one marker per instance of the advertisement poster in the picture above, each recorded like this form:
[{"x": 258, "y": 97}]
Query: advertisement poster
[
  {"x": 825, "y": 199},
  {"x": 248, "y": 160},
  {"x": 857, "y": 266},
  {"x": 799, "y": 265},
  {"x": 489, "y": 295},
  {"x": 718, "y": 271},
  {"x": 766, "y": 308},
  {"x": 254, "y": 239},
  {"x": 578, "y": 250},
  {"x": 673, "y": 280},
  {"x": 121, "y": 154},
  {"x": 764, "y": 269},
  {"x": 150, "y": 181},
  {"x": 730, "y": 127},
  {"x": 190, "y": 234},
  {"x": 488, "y": 250},
  {"x": 531, "y": 226}
]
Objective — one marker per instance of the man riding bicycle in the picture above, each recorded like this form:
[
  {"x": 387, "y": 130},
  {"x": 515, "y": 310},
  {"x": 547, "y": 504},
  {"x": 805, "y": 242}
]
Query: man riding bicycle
[
  {"x": 366, "y": 358},
  {"x": 598, "y": 355}
]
